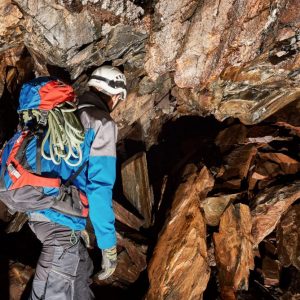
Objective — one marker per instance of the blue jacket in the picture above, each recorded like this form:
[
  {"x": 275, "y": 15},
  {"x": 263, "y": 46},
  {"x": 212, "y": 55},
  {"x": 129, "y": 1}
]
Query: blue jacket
[{"x": 97, "y": 178}]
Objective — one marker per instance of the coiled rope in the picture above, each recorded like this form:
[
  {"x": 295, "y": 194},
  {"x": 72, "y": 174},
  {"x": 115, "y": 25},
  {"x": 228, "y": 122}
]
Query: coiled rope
[{"x": 65, "y": 134}]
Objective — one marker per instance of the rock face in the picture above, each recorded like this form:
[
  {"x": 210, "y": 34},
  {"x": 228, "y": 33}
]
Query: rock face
[
  {"x": 136, "y": 185},
  {"x": 226, "y": 58},
  {"x": 179, "y": 267},
  {"x": 269, "y": 206},
  {"x": 233, "y": 250},
  {"x": 67, "y": 37},
  {"x": 288, "y": 233},
  {"x": 10, "y": 29}
]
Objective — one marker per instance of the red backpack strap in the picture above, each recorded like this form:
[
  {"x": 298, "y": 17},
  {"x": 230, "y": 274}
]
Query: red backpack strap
[{"x": 18, "y": 174}]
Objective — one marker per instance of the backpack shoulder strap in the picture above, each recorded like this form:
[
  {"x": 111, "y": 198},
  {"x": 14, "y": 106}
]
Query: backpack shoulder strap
[
  {"x": 74, "y": 176},
  {"x": 39, "y": 138}
]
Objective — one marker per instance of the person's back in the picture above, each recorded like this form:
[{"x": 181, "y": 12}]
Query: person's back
[
  {"x": 96, "y": 180},
  {"x": 86, "y": 170}
]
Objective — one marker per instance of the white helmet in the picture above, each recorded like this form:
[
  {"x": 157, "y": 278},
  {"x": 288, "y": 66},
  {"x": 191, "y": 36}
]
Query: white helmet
[{"x": 109, "y": 80}]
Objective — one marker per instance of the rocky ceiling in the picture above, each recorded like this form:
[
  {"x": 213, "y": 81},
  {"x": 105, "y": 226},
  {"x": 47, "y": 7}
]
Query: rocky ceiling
[{"x": 229, "y": 58}]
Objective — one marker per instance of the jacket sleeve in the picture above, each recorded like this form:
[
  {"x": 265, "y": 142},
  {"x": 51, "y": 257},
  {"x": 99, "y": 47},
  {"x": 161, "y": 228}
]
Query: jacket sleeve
[{"x": 101, "y": 179}]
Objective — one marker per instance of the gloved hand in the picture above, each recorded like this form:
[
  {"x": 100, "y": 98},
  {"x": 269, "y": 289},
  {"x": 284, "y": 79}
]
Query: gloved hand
[{"x": 109, "y": 263}]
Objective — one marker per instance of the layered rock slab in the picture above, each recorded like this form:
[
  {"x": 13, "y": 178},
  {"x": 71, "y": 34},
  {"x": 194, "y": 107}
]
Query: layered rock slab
[
  {"x": 136, "y": 186},
  {"x": 269, "y": 206},
  {"x": 179, "y": 267},
  {"x": 233, "y": 250},
  {"x": 288, "y": 234}
]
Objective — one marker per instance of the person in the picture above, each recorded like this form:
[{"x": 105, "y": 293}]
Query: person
[{"x": 64, "y": 267}]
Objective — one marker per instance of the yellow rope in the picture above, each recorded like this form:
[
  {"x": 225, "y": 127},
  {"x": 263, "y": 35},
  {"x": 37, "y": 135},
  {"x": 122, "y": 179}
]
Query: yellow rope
[{"x": 65, "y": 134}]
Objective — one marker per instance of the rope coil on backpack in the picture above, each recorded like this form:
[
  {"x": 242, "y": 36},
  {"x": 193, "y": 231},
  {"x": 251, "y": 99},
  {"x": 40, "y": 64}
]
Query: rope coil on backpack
[{"x": 64, "y": 132}]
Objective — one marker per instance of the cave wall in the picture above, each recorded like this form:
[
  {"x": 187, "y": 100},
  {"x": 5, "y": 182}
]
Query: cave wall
[{"x": 226, "y": 58}]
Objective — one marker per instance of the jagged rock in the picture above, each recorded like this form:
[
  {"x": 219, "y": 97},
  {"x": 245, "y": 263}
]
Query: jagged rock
[
  {"x": 143, "y": 114},
  {"x": 126, "y": 217},
  {"x": 204, "y": 50},
  {"x": 270, "y": 271},
  {"x": 10, "y": 25},
  {"x": 274, "y": 164},
  {"x": 231, "y": 136},
  {"x": 19, "y": 275},
  {"x": 295, "y": 130},
  {"x": 238, "y": 162},
  {"x": 269, "y": 206},
  {"x": 17, "y": 222},
  {"x": 270, "y": 165},
  {"x": 217, "y": 65},
  {"x": 214, "y": 207},
  {"x": 4, "y": 214},
  {"x": 233, "y": 250},
  {"x": 136, "y": 186},
  {"x": 136, "y": 252},
  {"x": 67, "y": 39},
  {"x": 179, "y": 266},
  {"x": 267, "y": 89},
  {"x": 288, "y": 234},
  {"x": 172, "y": 20}
]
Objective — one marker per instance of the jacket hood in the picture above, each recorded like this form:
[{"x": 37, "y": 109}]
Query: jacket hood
[{"x": 92, "y": 98}]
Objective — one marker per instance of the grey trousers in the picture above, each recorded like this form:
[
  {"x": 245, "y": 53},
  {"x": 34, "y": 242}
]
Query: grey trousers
[{"x": 64, "y": 267}]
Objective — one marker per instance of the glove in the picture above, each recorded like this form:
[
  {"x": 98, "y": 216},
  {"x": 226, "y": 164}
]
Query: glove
[{"x": 109, "y": 263}]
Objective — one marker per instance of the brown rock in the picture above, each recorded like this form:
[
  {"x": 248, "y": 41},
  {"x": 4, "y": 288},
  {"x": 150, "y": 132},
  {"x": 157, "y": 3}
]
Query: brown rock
[
  {"x": 173, "y": 18},
  {"x": 271, "y": 271},
  {"x": 295, "y": 130},
  {"x": 10, "y": 25},
  {"x": 17, "y": 222},
  {"x": 5, "y": 216},
  {"x": 19, "y": 276},
  {"x": 269, "y": 206},
  {"x": 234, "y": 184},
  {"x": 269, "y": 166},
  {"x": 287, "y": 164},
  {"x": 238, "y": 162},
  {"x": 136, "y": 185},
  {"x": 137, "y": 252},
  {"x": 231, "y": 136},
  {"x": 254, "y": 178},
  {"x": 265, "y": 93},
  {"x": 214, "y": 207},
  {"x": 233, "y": 250},
  {"x": 126, "y": 217},
  {"x": 179, "y": 267},
  {"x": 288, "y": 235}
]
